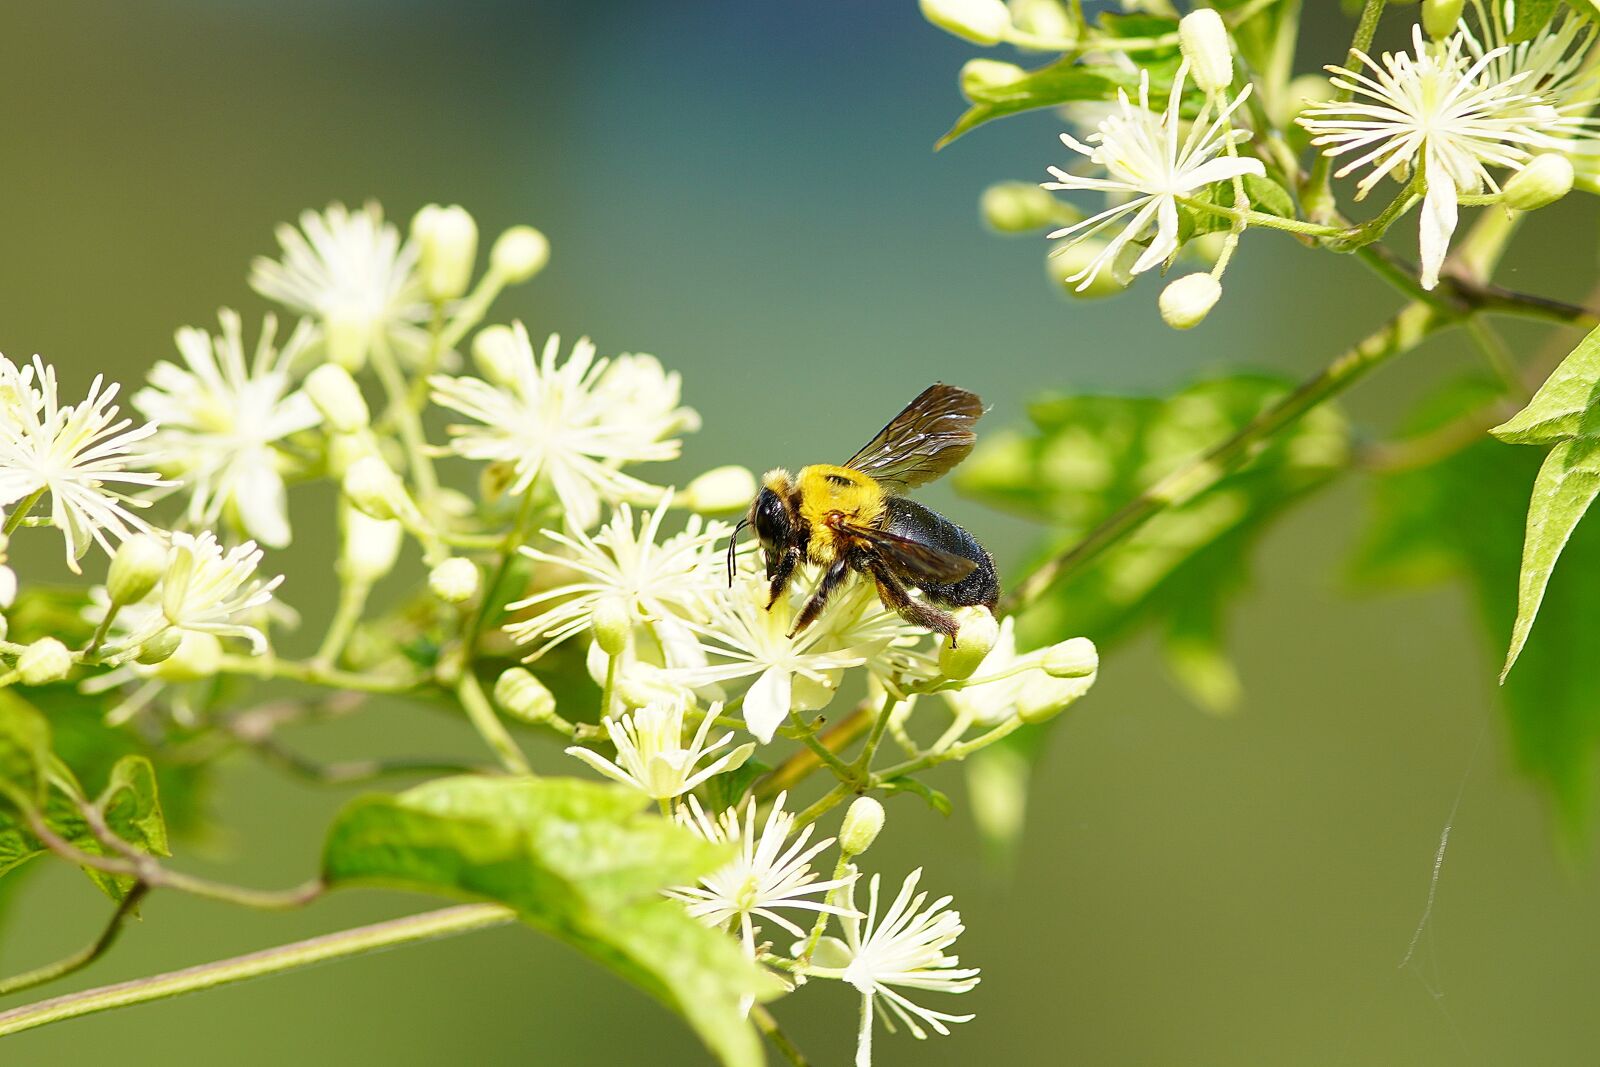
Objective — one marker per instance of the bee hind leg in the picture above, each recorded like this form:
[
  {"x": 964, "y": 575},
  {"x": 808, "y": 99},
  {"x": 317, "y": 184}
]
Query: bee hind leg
[
  {"x": 780, "y": 573},
  {"x": 831, "y": 579},
  {"x": 894, "y": 595}
]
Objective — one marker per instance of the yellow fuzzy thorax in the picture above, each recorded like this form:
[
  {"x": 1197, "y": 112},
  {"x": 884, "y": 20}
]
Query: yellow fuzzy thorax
[{"x": 826, "y": 491}]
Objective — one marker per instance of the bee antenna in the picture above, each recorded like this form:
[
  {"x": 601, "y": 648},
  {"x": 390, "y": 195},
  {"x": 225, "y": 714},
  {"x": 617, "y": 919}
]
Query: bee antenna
[{"x": 733, "y": 545}]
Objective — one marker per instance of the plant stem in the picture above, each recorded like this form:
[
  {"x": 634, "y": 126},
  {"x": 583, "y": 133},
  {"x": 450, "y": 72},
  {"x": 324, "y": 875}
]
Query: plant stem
[
  {"x": 823, "y": 753},
  {"x": 774, "y": 1033},
  {"x": 84, "y": 956},
  {"x": 316, "y": 674},
  {"x": 20, "y": 512},
  {"x": 408, "y": 422},
  {"x": 352, "y": 602},
  {"x": 445, "y": 922},
  {"x": 1317, "y": 195},
  {"x": 488, "y": 724},
  {"x": 835, "y": 738},
  {"x": 954, "y": 752}
]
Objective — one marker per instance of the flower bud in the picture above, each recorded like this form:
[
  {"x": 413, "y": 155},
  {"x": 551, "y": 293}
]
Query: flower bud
[
  {"x": 1043, "y": 696},
  {"x": 1018, "y": 207},
  {"x": 370, "y": 546},
  {"x": 159, "y": 647},
  {"x": 1547, "y": 178},
  {"x": 977, "y": 631},
  {"x": 981, "y": 21},
  {"x": 862, "y": 822},
  {"x": 1204, "y": 40},
  {"x": 494, "y": 350},
  {"x": 46, "y": 660},
  {"x": 197, "y": 657},
  {"x": 338, "y": 398},
  {"x": 455, "y": 581},
  {"x": 1064, "y": 264},
  {"x": 519, "y": 254},
  {"x": 348, "y": 334},
  {"x": 372, "y": 487},
  {"x": 447, "y": 243},
  {"x": 1186, "y": 302},
  {"x": 1301, "y": 93},
  {"x": 1073, "y": 658},
  {"x": 830, "y": 952},
  {"x": 612, "y": 623},
  {"x": 522, "y": 696},
  {"x": 720, "y": 489},
  {"x": 980, "y": 74},
  {"x": 1440, "y": 17},
  {"x": 138, "y": 565}
]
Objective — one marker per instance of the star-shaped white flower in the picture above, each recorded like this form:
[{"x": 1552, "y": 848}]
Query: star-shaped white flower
[
  {"x": 220, "y": 418},
  {"x": 209, "y": 590},
  {"x": 1439, "y": 110},
  {"x": 656, "y": 582},
  {"x": 1150, "y": 162},
  {"x": 768, "y": 874},
  {"x": 76, "y": 453},
  {"x": 573, "y": 423},
  {"x": 651, "y": 755},
  {"x": 904, "y": 948}
]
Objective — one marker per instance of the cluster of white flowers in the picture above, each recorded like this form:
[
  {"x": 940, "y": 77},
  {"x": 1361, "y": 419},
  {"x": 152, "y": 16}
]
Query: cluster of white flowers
[{"x": 1468, "y": 116}]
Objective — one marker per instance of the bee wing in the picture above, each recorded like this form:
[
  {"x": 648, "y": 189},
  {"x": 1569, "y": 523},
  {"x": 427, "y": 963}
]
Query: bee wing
[
  {"x": 919, "y": 564},
  {"x": 932, "y": 434}
]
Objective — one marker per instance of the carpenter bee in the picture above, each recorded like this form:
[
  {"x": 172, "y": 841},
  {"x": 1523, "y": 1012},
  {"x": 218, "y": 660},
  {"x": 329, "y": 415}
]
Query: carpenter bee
[{"x": 852, "y": 519}]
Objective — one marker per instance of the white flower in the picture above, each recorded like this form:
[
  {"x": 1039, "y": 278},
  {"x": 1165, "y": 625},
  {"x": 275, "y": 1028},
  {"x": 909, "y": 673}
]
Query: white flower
[
  {"x": 764, "y": 877},
  {"x": 1552, "y": 68},
  {"x": 800, "y": 673},
  {"x": 907, "y": 949},
  {"x": 573, "y": 425},
  {"x": 348, "y": 269},
  {"x": 651, "y": 756},
  {"x": 1441, "y": 111},
  {"x": 220, "y": 418},
  {"x": 207, "y": 590},
  {"x": 75, "y": 452},
  {"x": 1152, "y": 162},
  {"x": 654, "y": 582}
]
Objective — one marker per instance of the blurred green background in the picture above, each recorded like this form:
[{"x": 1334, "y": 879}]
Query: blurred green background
[{"x": 749, "y": 191}]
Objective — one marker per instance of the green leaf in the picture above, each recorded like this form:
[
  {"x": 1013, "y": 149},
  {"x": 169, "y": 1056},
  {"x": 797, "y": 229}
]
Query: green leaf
[
  {"x": 1532, "y": 16},
  {"x": 24, "y": 750},
  {"x": 1089, "y": 455},
  {"x": 728, "y": 789},
  {"x": 132, "y": 806},
  {"x": 1461, "y": 520},
  {"x": 1564, "y": 406},
  {"x": 575, "y": 859},
  {"x": 1058, "y": 83}
]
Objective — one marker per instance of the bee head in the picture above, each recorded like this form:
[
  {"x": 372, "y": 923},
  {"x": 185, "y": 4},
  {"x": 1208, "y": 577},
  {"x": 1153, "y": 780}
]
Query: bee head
[{"x": 769, "y": 516}]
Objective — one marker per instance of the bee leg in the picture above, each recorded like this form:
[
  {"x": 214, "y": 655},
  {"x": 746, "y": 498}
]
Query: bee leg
[
  {"x": 780, "y": 573},
  {"x": 819, "y": 599},
  {"x": 894, "y": 595}
]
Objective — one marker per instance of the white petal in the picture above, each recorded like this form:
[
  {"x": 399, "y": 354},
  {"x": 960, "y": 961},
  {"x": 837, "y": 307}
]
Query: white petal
[
  {"x": 766, "y": 705},
  {"x": 1437, "y": 226}
]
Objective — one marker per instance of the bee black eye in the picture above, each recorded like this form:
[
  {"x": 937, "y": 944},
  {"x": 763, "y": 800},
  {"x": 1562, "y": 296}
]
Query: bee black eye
[{"x": 770, "y": 519}]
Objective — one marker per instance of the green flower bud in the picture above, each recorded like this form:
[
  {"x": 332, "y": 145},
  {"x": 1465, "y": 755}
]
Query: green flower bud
[
  {"x": 338, "y": 398},
  {"x": 1066, "y": 261},
  {"x": 1547, "y": 178},
  {"x": 1073, "y": 658},
  {"x": 719, "y": 490},
  {"x": 447, "y": 243},
  {"x": 612, "y": 623},
  {"x": 197, "y": 657},
  {"x": 1186, "y": 302},
  {"x": 138, "y": 565},
  {"x": 1204, "y": 40},
  {"x": 348, "y": 335},
  {"x": 494, "y": 350},
  {"x": 977, "y": 633},
  {"x": 1043, "y": 696},
  {"x": 373, "y": 488},
  {"x": 1019, "y": 207},
  {"x": 523, "y": 697},
  {"x": 862, "y": 822},
  {"x": 160, "y": 647},
  {"x": 1440, "y": 17},
  {"x": 46, "y": 660},
  {"x": 981, "y": 21},
  {"x": 980, "y": 74},
  {"x": 519, "y": 254},
  {"x": 1301, "y": 93},
  {"x": 455, "y": 581},
  {"x": 370, "y": 546}
]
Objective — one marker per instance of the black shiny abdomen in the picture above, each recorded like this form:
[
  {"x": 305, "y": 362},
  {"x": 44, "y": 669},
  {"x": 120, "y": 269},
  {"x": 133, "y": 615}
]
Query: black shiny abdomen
[{"x": 908, "y": 519}]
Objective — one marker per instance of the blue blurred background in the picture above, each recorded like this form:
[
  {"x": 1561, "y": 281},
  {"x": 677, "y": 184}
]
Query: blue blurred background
[{"x": 749, "y": 191}]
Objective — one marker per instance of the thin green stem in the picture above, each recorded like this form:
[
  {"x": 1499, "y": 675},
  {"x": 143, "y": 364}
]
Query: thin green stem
[
  {"x": 1495, "y": 350},
  {"x": 1317, "y": 195},
  {"x": 446, "y": 922},
  {"x": 826, "y": 803},
  {"x": 100, "y": 632},
  {"x": 84, "y": 956},
  {"x": 346, "y": 616},
  {"x": 471, "y": 311},
  {"x": 409, "y": 424},
  {"x": 954, "y": 752},
  {"x": 20, "y": 512},
  {"x": 316, "y": 674},
  {"x": 824, "y": 754},
  {"x": 774, "y": 1033},
  {"x": 514, "y": 537},
  {"x": 863, "y": 764},
  {"x": 482, "y": 715}
]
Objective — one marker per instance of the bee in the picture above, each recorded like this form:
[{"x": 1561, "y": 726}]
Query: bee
[{"x": 853, "y": 519}]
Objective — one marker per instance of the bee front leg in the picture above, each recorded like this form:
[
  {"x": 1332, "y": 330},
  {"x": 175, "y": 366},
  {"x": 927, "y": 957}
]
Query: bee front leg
[
  {"x": 819, "y": 598},
  {"x": 780, "y": 573},
  {"x": 894, "y": 595}
]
